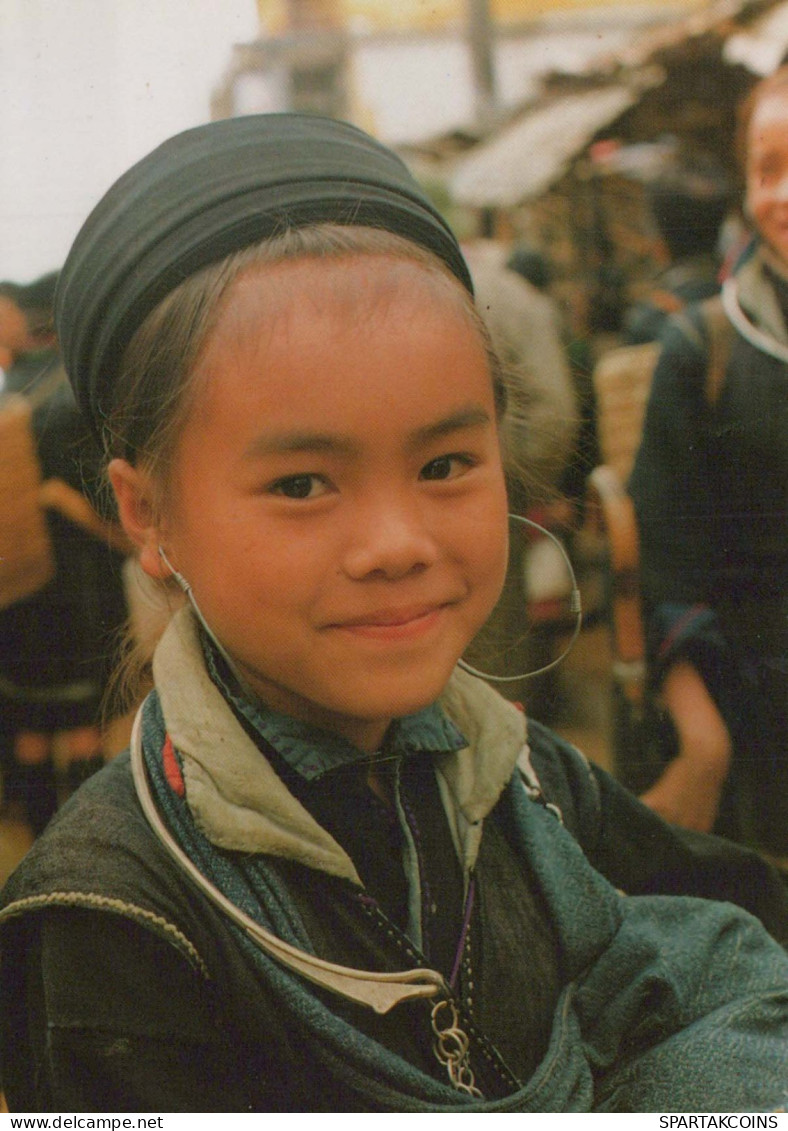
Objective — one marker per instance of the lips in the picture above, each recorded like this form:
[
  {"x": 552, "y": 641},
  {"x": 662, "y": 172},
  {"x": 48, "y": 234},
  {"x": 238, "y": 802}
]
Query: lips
[
  {"x": 393, "y": 623},
  {"x": 390, "y": 617}
]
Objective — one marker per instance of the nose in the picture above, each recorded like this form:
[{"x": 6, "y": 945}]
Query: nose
[{"x": 389, "y": 540}]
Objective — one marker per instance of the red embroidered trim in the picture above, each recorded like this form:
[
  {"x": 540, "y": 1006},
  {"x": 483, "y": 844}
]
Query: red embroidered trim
[{"x": 172, "y": 770}]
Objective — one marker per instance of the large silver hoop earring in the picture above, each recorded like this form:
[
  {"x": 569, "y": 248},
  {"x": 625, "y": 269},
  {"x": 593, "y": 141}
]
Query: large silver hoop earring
[{"x": 574, "y": 605}]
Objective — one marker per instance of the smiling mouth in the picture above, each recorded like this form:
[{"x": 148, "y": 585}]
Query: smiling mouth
[{"x": 393, "y": 624}]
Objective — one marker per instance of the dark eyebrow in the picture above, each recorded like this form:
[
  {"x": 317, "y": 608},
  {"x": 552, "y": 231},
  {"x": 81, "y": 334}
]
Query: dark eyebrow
[
  {"x": 287, "y": 442},
  {"x": 472, "y": 416}
]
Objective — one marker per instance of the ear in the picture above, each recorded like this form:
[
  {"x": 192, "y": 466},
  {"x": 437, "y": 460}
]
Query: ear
[{"x": 134, "y": 495}]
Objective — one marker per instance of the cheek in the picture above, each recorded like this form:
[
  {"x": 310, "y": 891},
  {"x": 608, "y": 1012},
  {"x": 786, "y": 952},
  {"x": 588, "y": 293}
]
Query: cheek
[
  {"x": 755, "y": 200},
  {"x": 490, "y": 535},
  {"x": 501, "y": 563},
  {"x": 277, "y": 570}
]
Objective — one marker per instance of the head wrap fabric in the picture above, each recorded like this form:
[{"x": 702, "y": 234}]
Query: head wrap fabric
[{"x": 206, "y": 193}]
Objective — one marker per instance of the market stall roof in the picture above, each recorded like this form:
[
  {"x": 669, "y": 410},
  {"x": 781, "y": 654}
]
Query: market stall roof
[
  {"x": 718, "y": 16},
  {"x": 764, "y": 45},
  {"x": 526, "y": 157}
]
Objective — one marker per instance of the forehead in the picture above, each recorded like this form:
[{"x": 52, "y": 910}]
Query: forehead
[
  {"x": 345, "y": 290},
  {"x": 340, "y": 338},
  {"x": 770, "y": 112}
]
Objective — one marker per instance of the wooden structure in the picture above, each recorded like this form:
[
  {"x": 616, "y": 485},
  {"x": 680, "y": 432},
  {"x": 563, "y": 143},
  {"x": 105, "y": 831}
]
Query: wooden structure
[{"x": 547, "y": 176}]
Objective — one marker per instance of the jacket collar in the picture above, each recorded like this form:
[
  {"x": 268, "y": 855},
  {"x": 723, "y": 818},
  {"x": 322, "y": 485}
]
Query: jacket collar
[
  {"x": 752, "y": 306},
  {"x": 312, "y": 752},
  {"x": 239, "y": 802}
]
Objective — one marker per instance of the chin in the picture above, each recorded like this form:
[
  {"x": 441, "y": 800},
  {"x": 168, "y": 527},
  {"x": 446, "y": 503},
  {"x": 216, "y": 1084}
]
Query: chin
[{"x": 400, "y": 698}]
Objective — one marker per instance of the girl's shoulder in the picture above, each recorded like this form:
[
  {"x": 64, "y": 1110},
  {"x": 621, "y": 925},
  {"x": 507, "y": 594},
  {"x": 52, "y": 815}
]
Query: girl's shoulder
[
  {"x": 565, "y": 779},
  {"x": 638, "y": 852},
  {"x": 98, "y": 853}
]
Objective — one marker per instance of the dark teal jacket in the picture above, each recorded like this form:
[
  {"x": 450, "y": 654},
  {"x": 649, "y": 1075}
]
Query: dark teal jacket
[{"x": 123, "y": 989}]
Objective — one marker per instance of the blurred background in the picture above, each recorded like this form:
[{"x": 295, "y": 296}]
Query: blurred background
[
  {"x": 90, "y": 85},
  {"x": 533, "y": 125}
]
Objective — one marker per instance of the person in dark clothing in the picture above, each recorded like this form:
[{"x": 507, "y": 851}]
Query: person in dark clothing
[
  {"x": 535, "y": 268},
  {"x": 27, "y": 332},
  {"x": 709, "y": 486},
  {"x": 336, "y": 871},
  {"x": 57, "y": 645},
  {"x": 689, "y": 202}
]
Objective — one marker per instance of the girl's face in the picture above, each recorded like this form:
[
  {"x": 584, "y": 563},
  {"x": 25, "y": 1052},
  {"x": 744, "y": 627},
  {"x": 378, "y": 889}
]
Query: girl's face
[
  {"x": 338, "y": 502},
  {"x": 767, "y": 171}
]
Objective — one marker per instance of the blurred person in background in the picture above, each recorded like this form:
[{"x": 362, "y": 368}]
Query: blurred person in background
[
  {"x": 57, "y": 643},
  {"x": 709, "y": 486},
  {"x": 540, "y": 426},
  {"x": 27, "y": 333},
  {"x": 539, "y": 430},
  {"x": 689, "y": 200},
  {"x": 531, "y": 265}
]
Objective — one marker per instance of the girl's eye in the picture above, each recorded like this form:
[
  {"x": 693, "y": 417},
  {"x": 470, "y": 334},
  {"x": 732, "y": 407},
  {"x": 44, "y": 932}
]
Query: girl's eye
[
  {"x": 299, "y": 486},
  {"x": 446, "y": 467}
]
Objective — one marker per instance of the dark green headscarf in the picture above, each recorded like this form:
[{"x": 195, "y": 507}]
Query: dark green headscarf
[{"x": 211, "y": 191}]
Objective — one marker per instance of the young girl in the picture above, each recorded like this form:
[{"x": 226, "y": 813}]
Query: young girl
[{"x": 327, "y": 878}]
